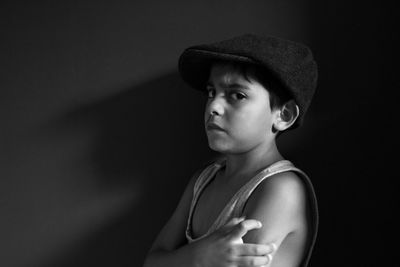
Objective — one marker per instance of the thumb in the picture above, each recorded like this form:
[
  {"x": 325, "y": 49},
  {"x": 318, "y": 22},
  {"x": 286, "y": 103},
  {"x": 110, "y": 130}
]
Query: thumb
[
  {"x": 227, "y": 228},
  {"x": 240, "y": 229},
  {"x": 234, "y": 221}
]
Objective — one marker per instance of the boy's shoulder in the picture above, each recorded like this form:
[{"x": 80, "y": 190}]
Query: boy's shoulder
[
  {"x": 288, "y": 183},
  {"x": 286, "y": 189}
]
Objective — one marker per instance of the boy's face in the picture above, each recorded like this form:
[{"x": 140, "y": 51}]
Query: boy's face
[{"x": 238, "y": 117}]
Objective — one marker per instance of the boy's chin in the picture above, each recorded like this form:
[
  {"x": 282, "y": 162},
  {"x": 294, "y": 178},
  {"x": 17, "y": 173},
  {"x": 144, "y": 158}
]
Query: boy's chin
[
  {"x": 221, "y": 147},
  {"x": 218, "y": 147},
  {"x": 228, "y": 147}
]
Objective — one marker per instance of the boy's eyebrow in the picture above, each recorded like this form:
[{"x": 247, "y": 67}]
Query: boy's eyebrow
[{"x": 229, "y": 85}]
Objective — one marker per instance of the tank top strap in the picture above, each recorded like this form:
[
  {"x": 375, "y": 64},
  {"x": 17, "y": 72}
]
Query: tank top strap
[{"x": 202, "y": 180}]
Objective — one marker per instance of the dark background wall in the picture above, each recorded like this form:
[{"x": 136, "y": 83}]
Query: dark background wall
[{"x": 99, "y": 135}]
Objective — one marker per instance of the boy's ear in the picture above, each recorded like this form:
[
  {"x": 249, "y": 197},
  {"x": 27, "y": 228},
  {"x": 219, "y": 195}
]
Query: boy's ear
[{"x": 286, "y": 116}]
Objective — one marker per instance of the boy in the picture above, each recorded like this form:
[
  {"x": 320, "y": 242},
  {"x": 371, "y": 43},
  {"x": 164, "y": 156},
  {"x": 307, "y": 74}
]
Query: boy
[{"x": 252, "y": 207}]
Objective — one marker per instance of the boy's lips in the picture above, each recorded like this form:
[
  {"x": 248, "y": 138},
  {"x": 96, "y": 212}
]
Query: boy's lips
[{"x": 213, "y": 126}]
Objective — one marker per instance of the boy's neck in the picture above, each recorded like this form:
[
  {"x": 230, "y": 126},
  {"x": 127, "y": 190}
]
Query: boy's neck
[{"x": 241, "y": 167}]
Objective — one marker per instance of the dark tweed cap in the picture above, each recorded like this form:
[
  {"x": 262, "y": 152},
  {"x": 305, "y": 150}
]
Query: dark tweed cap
[{"x": 289, "y": 62}]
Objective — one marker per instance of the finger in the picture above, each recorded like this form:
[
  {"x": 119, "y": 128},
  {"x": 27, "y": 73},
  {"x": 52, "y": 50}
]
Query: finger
[
  {"x": 228, "y": 226},
  {"x": 256, "y": 249},
  {"x": 247, "y": 261},
  {"x": 240, "y": 229}
]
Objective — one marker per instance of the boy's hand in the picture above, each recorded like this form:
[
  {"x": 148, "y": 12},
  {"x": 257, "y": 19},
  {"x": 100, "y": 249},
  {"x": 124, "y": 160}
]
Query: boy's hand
[{"x": 225, "y": 247}]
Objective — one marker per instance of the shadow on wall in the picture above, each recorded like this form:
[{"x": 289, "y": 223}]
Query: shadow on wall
[{"x": 148, "y": 139}]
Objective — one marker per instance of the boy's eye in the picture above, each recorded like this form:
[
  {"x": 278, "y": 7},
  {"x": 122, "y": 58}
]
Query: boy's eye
[
  {"x": 210, "y": 92},
  {"x": 238, "y": 96}
]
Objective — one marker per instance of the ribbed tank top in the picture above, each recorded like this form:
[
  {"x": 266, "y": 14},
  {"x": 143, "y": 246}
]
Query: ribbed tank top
[{"x": 235, "y": 207}]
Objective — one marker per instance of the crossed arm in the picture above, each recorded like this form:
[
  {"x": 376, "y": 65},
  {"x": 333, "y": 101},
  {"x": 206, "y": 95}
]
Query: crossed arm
[{"x": 277, "y": 204}]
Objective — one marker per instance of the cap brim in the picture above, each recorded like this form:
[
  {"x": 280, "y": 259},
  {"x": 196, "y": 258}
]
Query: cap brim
[{"x": 194, "y": 65}]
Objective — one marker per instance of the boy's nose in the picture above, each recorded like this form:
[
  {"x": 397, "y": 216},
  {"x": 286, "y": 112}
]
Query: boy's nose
[{"x": 216, "y": 107}]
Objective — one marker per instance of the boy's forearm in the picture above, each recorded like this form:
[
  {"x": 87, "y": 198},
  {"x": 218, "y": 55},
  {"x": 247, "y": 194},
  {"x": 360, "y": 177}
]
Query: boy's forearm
[{"x": 183, "y": 256}]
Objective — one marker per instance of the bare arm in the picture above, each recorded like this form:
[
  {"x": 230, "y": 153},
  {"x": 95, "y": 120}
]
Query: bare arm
[
  {"x": 218, "y": 249},
  {"x": 279, "y": 204}
]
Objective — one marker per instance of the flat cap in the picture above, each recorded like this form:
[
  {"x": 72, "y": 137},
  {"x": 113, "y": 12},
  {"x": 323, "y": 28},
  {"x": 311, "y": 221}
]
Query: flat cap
[{"x": 290, "y": 63}]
